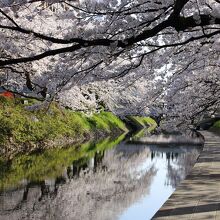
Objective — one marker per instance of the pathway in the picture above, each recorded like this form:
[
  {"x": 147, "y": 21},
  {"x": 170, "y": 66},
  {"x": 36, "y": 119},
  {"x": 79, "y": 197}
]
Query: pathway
[{"x": 198, "y": 196}]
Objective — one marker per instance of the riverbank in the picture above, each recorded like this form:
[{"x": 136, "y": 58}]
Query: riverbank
[{"x": 22, "y": 130}]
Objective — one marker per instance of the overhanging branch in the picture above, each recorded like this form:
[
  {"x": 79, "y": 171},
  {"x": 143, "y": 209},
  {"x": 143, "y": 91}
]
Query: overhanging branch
[{"x": 174, "y": 20}]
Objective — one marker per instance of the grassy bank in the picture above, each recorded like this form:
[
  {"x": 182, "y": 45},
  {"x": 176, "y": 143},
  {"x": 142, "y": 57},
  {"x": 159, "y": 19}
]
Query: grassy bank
[
  {"x": 142, "y": 125},
  {"x": 216, "y": 127},
  {"x": 143, "y": 122},
  {"x": 22, "y": 130}
]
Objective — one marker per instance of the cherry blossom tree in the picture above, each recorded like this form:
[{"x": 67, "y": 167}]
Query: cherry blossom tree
[{"x": 141, "y": 54}]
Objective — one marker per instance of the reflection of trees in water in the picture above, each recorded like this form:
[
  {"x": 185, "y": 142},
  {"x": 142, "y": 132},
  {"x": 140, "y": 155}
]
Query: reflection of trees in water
[
  {"x": 178, "y": 167},
  {"x": 98, "y": 189},
  {"x": 168, "y": 155},
  {"x": 179, "y": 161}
]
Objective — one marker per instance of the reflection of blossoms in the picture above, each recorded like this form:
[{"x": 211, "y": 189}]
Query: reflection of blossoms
[
  {"x": 179, "y": 169},
  {"x": 99, "y": 194}
]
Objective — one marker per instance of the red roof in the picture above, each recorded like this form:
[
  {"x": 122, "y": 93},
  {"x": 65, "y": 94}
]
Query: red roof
[{"x": 7, "y": 94}]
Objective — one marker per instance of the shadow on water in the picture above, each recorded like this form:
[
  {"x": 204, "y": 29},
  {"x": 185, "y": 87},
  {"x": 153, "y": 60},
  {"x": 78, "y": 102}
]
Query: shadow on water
[{"x": 111, "y": 179}]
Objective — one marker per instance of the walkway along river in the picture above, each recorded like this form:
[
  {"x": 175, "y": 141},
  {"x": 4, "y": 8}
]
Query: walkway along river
[
  {"x": 111, "y": 179},
  {"x": 198, "y": 196}
]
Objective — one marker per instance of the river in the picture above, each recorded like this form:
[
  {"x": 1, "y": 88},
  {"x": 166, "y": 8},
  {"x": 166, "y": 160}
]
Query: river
[{"x": 113, "y": 179}]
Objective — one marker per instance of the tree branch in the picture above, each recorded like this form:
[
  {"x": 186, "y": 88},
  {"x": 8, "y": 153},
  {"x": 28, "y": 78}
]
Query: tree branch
[{"x": 174, "y": 20}]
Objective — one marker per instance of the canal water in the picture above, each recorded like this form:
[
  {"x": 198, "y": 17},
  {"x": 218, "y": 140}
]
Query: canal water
[{"x": 108, "y": 180}]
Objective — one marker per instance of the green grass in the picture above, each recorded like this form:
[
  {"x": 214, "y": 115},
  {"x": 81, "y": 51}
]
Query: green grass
[
  {"x": 217, "y": 125},
  {"x": 107, "y": 121},
  {"x": 144, "y": 122},
  {"x": 20, "y": 126},
  {"x": 144, "y": 125},
  {"x": 24, "y": 126}
]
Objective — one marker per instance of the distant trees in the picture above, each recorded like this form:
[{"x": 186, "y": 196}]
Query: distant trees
[{"x": 168, "y": 47}]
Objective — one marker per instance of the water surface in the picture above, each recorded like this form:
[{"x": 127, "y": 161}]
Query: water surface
[{"x": 107, "y": 180}]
